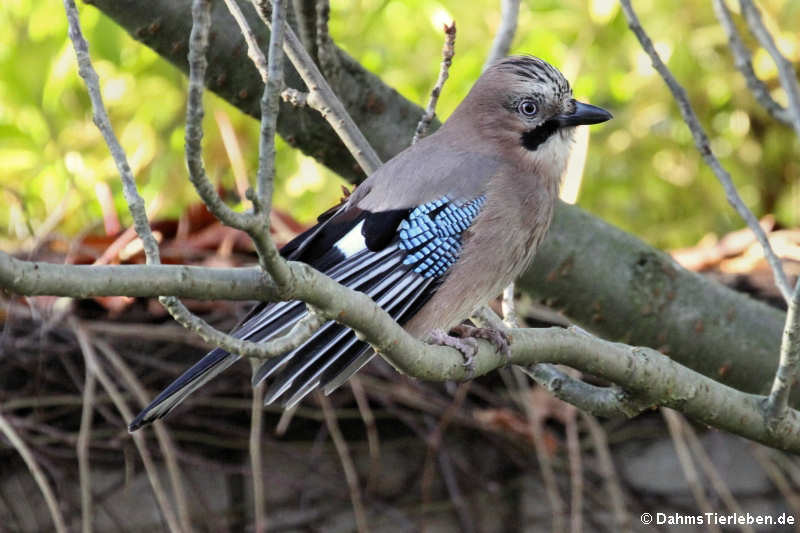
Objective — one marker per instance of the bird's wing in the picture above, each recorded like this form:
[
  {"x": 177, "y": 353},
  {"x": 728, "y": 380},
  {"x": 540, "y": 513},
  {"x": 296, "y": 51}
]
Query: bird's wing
[
  {"x": 397, "y": 256},
  {"x": 424, "y": 172}
]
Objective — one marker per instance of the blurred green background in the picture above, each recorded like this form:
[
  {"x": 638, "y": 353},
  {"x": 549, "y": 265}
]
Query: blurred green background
[{"x": 642, "y": 172}]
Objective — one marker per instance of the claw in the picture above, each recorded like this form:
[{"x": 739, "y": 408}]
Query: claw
[
  {"x": 501, "y": 341},
  {"x": 467, "y": 346}
]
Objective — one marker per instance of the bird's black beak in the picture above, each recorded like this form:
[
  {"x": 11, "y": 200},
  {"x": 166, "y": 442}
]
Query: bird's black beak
[{"x": 583, "y": 114}]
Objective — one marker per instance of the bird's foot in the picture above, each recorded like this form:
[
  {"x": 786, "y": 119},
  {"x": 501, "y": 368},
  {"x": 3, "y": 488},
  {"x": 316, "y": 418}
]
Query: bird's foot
[
  {"x": 501, "y": 340},
  {"x": 467, "y": 346}
]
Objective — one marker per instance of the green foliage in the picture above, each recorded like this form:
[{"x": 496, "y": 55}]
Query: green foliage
[{"x": 642, "y": 172}]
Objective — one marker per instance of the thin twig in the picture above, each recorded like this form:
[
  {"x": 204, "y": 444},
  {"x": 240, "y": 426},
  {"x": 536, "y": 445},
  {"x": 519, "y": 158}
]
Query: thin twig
[
  {"x": 256, "y": 457},
  {"x": 198, "y": 44},
  {"x": 575, "y": 469},
  {"x": 373, "y": 441},
  {"x": 775, "y": 473},
  {"x": 607, "y": 402},
  {"x": 348, "y": 466},
  {"x": 322, "y": 97},
  {"x": 448, "y": 50},
  {"x": 535, "y": 422},
  {"x": 165, "y": 441},
  {"x": 713, "y": 474},
  {"x": 253, "y": 49},
  {"x": 675, "y": 425},
  {"x": 325, "y": 54},
  {"x": 269, "y": 256},
  {"x": 744, "y": 64},
  {"x": 789, "y": 362},
  {"x": 270, "y": 100},
  {"x": 622, "y": 518},
  {"x": 302, "y": 330},
  {"x": 786, "y": 71},
  {"x": 704, "y": 147},
  {"x": 138, "y": 438},
  {"x": 505, "y": 33},
  {"x": 465, "y": 519},
  {"x": 50, "y": 499},
  {"x": 100, "y": 118},
  {"x": 82, "y": 449},
  {"x": 256, "y": 225}
]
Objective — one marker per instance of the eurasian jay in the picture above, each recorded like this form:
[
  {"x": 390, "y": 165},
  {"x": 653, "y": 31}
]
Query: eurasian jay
[{"x": 431, "y": 235}]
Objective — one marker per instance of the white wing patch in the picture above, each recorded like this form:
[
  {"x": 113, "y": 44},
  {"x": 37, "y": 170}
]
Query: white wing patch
[{"x": 352, "y": 242}]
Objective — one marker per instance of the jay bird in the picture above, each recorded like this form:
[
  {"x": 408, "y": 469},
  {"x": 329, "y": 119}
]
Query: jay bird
[{"x": 431, "y": 235}]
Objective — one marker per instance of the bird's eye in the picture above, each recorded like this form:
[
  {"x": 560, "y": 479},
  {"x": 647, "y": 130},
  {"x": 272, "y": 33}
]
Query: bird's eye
[{"x": 527, "y": 108}]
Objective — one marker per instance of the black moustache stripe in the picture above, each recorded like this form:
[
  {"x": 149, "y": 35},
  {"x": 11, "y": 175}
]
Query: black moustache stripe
[{"x": 531, "y": 139}]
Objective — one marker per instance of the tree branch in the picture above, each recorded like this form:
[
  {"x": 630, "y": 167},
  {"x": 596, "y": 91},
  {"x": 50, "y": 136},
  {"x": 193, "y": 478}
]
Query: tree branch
[
  {"x": 386, "y": 118},
  {"x": 790, "y": 345},
  {"x": 322, "y": 98},
  {"x": 789, "y": 362},
  {"x": 743, "y": 63},
  {"x": 100, "y": 118},
  {"x": 505, "y": 33},
  {"x": 33, "y": 278},
  {"x": 7, "y": 429},
  {"x": 198, "y": 44},
  {"x": 704, "y": 147},
  {"x": 448, "y": 50},
  {"x": 253, "y": 49},
  {"x": 607, "y": 402},
  {"x": 786, "y": 71}
]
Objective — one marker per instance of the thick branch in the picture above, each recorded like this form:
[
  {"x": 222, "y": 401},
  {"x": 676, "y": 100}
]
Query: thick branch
[
  {"x": 146, "y": 281},
  {"x": 647, "y": 373}
]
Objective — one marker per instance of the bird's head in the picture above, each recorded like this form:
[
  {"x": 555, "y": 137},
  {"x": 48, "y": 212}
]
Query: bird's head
[{"x": 526, "y": 106}]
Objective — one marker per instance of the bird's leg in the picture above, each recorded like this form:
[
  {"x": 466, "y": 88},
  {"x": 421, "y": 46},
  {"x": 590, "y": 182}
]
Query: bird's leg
[
  {"x": 465, "y": 342},
  {"x": 467, "y": 346},
  {"x": 501, "y": 341}
]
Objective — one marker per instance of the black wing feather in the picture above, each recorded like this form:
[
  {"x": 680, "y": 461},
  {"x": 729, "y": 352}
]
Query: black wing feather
[{"x": 396, "y": 269}]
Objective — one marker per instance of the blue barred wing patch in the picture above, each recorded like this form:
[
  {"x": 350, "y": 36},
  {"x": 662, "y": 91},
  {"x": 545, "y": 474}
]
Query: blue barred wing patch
[{"x": 432, "y": 234}]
